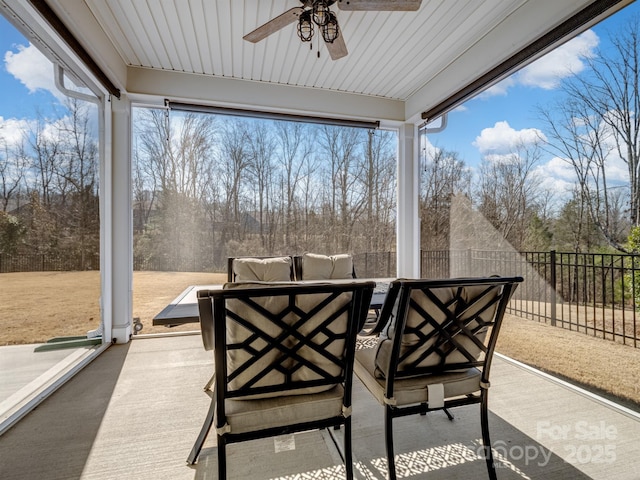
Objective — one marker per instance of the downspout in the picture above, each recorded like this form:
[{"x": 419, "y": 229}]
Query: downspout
[
  {"x": 438, "y": 129},
  {"x": 58, "y": 76}
]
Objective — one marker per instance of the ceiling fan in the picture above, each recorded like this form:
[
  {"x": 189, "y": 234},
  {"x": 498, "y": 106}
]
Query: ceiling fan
[{"x": 317, "y": 14}]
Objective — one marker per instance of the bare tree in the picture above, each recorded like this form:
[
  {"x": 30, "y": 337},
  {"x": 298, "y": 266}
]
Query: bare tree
[
  {"x": 262, "y": 146},
  {"x": 233, "y": 160},
  {"x": 507, "y": 191},
  {"x": 45, "y": 152},
  {"x": 13, "y": 165},
  {"x": 347, "y": 198},
  {"x": 443, "y": 175},
  {"x": 77, "y": 173},
  {"x": 379, "y": 182},
  {"x": 294, "y": 150},
  {"x": 174, "y": 156},
  {"x": 598, "y": 121}
]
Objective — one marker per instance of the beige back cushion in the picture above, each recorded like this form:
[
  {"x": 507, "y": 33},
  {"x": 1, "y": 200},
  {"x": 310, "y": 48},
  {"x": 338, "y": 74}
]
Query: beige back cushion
[
  {"x": 275, "y": 269},
  {"x": 414, "y": 319},
  {"x": 323, "y": 267},
  {"x": 237, "y": 333}
]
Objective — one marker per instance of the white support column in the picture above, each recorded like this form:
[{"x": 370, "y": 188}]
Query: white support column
[
  {"x": 122, "y": 222},
  {"x": 408, "y": 220}
]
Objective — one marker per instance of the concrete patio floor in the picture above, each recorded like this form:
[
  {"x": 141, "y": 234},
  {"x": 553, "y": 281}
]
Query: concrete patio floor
[{"x": 135, "y": 411}]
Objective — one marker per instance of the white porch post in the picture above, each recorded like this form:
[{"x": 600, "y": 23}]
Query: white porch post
[
  {"x": 122, "y": 232},
  {"x": 408, "y": 221}
]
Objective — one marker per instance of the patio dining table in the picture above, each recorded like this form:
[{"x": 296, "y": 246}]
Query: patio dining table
[{"x": 184, "y": 308}]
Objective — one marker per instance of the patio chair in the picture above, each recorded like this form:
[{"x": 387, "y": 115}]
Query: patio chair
[
  {"x": 312, "y": 266},
  {"x": 261, "y": 269},
  {"x": 436, "y": 340},
  {"x": 283, "y": 357}
]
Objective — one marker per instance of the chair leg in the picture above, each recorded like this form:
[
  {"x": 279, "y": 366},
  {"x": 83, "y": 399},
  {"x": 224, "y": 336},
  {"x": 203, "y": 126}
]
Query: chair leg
[
  {"x": 222, "y": 458},
  {"x": 388, "y": 438},
  {"x": 486, "y": 440},
  {"x": 348, "y": 452},
  {"x": 204, "y": 431}
]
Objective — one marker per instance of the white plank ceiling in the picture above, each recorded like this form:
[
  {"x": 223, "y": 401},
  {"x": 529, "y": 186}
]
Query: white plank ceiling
[
  {"x": 425, "y": 55},
  {"x": 389, "y": 52}
]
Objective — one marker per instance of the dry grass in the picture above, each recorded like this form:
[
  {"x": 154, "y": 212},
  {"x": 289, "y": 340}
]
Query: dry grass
[
  {"x": 37, "y": 306},
  {"x": 152, "y": 291},
  {"x": 603, "y": 366}
]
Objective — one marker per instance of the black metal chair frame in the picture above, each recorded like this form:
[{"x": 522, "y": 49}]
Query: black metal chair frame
[
  {"x": 446, "y": 335},
  {"x": 214, "y": 315}
]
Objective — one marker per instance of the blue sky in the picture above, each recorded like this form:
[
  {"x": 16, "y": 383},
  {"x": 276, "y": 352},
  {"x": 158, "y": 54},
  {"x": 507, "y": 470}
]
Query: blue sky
[
  {"x": 24, "y": 85},
  {"x": 495, "y": 120},
  {"x": 491, "y": 123}
]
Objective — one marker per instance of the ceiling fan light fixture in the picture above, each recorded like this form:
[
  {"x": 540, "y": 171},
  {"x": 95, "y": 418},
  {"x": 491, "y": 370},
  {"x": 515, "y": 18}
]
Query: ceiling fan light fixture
[
  {"x": 305, "y": 27},
  {"x": 321, "y": 12},
  {"x": 330, "y": 31}
]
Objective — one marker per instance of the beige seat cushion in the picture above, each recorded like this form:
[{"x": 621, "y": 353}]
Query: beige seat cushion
[
  {"x": 246, "y": 415},
  {"x": 413, "y": 390},
  {"x": 323, "y": 267},
  {"x": 275, "y": 269}
]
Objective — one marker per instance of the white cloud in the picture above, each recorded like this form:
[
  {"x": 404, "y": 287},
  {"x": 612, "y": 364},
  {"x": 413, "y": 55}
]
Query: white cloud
[
  {"x": 546, "y": 72},
  {"x": 503, "y": 139},
  {"x": 616, "y": 168},
  {"x": 560, "y": 169},
  {"x": 499, "y": 89},
  {"x": 12, "y": 130},
  {"x": 564, "y": 61},
  {"x": 558, "y": 175},
  {"x": 32, "y": 69}
]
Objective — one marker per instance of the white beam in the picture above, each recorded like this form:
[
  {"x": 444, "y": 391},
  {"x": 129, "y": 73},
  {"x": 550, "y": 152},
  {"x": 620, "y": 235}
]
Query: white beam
[
  {"x": 235, "y": 93},
  {"x": 408, "y": 219},
  {"x": 122, "y": 226}
]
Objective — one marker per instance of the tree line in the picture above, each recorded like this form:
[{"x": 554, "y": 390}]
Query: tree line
[
  {"x": 49, "y": 186},
  {"x": 209, "y": 186}
]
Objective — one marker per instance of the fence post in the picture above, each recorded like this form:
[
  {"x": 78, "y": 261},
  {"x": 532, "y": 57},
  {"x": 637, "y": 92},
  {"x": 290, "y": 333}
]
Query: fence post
[{"x": 553, "y": 288}]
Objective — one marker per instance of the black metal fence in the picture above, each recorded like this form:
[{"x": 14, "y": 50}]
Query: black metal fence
[
  {"x": 375, "y": 264},
  {"x": 595, "y": 294},
  {"x": 41, "y": 262}
]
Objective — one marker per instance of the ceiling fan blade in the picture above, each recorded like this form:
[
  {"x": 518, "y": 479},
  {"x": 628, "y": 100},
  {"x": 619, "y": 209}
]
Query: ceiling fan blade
[
  {"x": 274, "y": 25},
  {"x": 337, "y": 48},
  {"x": 379, "y": 5}
]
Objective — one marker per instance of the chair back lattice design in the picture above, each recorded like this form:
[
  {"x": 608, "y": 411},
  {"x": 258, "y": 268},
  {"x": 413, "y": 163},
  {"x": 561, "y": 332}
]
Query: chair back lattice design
[
  {"x": 437, "y": 326},
  {"x": 276, "y": 340}
]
